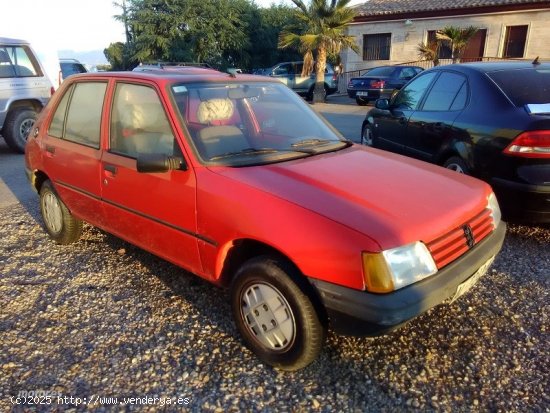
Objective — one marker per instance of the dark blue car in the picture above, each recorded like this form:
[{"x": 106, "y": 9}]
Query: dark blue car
[
  {"x": 380, "y": 82},
  {"x": 489, "y": 120}
]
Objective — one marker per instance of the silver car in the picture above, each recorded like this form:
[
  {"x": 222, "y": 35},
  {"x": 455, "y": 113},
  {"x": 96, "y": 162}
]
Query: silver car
[
  {"x": 24, "y": 91},
  {"x": 290, "y": 73}
]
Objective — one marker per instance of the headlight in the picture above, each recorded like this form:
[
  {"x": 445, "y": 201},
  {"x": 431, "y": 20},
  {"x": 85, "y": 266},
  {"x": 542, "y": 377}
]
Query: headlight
[
  {"x": 492, "y": 204},
  {"x": 398, "y": 267}
]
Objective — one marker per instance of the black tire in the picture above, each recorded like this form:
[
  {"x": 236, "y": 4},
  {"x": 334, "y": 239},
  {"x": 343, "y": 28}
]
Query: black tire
[
  {"x": 62, "y": 227},
  {"x": 367, "y": 138},
  {"x": 361, "y": 102},
  {"x": 295, "y": 327},
  {"x": 17, "y": 128},
  {"x": 457, "y": 164}
]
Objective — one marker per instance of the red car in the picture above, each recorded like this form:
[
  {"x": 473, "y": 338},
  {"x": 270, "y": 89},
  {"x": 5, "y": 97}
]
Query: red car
[{"x": 239, "y": 181}]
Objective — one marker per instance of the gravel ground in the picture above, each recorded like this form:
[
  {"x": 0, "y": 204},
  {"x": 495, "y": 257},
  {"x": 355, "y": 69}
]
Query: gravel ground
[{"x": 103, "y": 318}]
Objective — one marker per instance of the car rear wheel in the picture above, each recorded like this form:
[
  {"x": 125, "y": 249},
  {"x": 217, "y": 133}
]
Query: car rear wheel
[
  {"x": 276, "y": 318},
  {"x": 17, "y": 128},
  {"x": 457, "y": 164},
  {"x": 59, "y": 222},
  {"x": 366, "y": 135},
  {"x": 361, "y": 102}
]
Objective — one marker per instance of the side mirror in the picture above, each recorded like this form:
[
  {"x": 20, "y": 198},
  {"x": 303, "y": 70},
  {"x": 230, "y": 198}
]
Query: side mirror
[
  {"x": 383, "y": 104},
  {"x": 159, "y": 162}
]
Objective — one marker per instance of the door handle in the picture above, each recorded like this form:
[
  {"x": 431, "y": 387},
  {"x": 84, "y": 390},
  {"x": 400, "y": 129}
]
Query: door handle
[
  {"x": 439, "y": 126},
  {"x": 111, "y": 169},
  {"x": 50, "y": 151},
  {"x": 402, "y": 120}
]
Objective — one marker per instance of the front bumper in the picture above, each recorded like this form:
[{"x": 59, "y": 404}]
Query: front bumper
[
  {"x": 360, "y": 313},
  {"x": 523, "y": 202}
]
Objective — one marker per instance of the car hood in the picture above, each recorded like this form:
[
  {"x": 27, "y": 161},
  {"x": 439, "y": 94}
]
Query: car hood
[{"x": 390, "y": 198}]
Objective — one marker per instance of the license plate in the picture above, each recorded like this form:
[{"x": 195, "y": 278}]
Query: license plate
[
  {"x": 362, "y": 93},
  {"x": 469, "y": 283}
]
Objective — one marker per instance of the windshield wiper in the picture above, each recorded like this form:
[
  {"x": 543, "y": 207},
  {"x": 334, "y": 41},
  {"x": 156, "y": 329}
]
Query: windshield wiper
[{"x": 259, "y": 151}]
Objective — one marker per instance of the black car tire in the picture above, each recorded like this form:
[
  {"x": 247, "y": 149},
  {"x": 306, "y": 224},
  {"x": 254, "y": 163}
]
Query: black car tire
[
  {"x": 18, "y": 125},
  {"x": 60, "y": 224},
  {"x": 366, "y": 135},
  {"x": 457, "y": 164},
  {"x": 276, "y": 318},
  {"x": 361, "y": 102}
]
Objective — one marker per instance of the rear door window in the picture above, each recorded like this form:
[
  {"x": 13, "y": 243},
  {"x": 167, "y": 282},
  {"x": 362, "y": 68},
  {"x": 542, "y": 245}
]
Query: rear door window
[
  {"x": 524, "y": 86},
  {"x": 78, "y": 115},
  {"x": 445, "y": 91}
]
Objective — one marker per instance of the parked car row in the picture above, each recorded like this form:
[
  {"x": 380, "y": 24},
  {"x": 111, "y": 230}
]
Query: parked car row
[{"x": 488, "y": 120}]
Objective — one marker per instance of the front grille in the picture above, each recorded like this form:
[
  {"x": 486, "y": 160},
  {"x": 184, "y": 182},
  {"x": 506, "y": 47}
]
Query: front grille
[{"x": 452, "y": 245}]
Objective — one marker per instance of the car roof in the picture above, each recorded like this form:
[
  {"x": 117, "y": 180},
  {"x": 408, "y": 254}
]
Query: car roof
[
  {"x": 487, "y": 67},
  {"x": 170, "y": 76},
  {"x": 11, "y": 41}
]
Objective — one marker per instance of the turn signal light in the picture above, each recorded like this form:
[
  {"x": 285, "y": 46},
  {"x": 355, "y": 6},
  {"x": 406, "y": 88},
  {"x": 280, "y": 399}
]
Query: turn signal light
[{"x": 532, "y": 144}]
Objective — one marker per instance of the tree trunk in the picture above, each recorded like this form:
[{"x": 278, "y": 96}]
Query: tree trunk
[{"x": 319, "y": 93}]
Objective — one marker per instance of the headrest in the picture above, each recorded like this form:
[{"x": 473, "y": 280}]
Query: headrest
[
  {"x": 146, "y": 117},
  {"x": 214, "y": 109}
]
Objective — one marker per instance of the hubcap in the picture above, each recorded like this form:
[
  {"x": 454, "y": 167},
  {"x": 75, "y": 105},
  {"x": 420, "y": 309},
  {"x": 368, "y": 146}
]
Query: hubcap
[
  {"x": 26, "y": 127},
  {"x": 52, "y": 212},
  {"x": 366, "y": 139},
  {"x": 455, "y": 167},
  {"x": 268, "y": 316}
]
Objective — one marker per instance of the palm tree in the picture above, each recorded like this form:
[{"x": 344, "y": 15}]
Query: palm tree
[
  {"x": 429, "y": 51},
  {"x": 322, "y": 27},
  {"x": 458, "y": 39}
]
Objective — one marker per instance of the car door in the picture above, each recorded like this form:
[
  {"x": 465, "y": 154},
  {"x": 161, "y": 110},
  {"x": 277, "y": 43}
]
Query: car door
[
  {"x": 430, "y": 128},
  {"x": 72, "y": 155},
  {"x": 155, "y": 211},
  {"x": 390, "y": 126},
  {"x": 302, "y": 83},
  {"x": 284, "y": 73}
]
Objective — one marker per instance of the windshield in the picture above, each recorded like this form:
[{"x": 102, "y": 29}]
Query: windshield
[
  {"x": 524, "y": 86},
  {"x": 251, "y": 123}
]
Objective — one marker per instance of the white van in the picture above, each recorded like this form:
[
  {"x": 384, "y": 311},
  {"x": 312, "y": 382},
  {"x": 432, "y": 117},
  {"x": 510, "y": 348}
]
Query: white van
[{"x": 24, "y": 91}]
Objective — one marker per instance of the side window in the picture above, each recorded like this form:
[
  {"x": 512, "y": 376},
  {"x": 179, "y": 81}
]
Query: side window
[
  {"x": 58, "y": 120},
  {"x": 410, "y": 95},
  {"x": 407, "y": 73},
  {"x": 138, "y": 122},
  {"x": 445, "y": 91},
  {"x": 16, "y": 61},
  {"x": 283, "y": 70},
  {"x": 460, "y": 100},
  {"x": 84, "y": 114}
]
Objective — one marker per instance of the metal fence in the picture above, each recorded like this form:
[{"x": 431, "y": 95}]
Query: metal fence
[{"x": 345, "y": 77}]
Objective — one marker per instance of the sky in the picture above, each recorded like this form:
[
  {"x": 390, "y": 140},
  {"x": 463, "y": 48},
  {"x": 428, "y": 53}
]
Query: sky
[{"x": 79, "y": 25}]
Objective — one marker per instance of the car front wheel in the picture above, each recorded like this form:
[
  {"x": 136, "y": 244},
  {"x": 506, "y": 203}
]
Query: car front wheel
[
  {"x": 457, "y": 164},
  {"x": 366, "y": 135},
  {"x": 59, "y": 222},
  {"x": 276, "y": 318}
]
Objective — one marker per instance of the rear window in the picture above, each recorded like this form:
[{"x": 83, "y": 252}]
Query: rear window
[
  {"x": 380, "y": 71},
  {"x": 524, "y": 86}
]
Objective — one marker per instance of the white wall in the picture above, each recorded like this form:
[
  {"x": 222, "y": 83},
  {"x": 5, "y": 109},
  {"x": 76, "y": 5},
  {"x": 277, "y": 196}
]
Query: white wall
[{"x": 405, "y": 38}]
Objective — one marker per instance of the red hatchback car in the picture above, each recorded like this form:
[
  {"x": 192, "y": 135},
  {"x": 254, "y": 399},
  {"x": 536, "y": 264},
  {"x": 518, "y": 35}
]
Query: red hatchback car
[{"x": 239, "y": 181}]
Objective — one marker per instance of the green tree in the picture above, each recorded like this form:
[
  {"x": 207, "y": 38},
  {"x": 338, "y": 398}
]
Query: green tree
[
  {"x": 321, "y": 29},
  {"x": 458, "y": 39}
]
